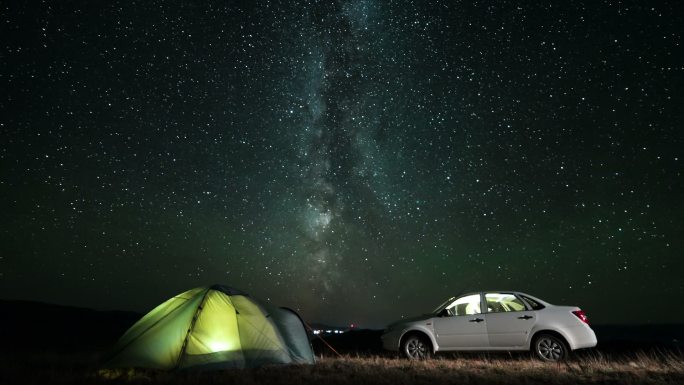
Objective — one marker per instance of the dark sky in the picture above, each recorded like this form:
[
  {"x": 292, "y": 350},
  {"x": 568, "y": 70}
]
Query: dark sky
[{"x": 355, "y": 160}]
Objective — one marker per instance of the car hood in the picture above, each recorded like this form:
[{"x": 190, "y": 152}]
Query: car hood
[{"x": 405, "y": 321}]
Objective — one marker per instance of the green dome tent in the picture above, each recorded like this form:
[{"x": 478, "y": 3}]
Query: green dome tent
[{"x": 213, "y": 327}]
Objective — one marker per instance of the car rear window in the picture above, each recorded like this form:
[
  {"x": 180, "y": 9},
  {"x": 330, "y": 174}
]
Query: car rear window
[{"x": 533, "y": 304}]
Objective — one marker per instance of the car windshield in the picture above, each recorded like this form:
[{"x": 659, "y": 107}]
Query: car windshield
[{"x": 443, "y": 305}]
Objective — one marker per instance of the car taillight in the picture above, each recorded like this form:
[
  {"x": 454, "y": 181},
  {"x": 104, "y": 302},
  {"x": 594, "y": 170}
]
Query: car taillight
[{"x": 582, "y": 316}]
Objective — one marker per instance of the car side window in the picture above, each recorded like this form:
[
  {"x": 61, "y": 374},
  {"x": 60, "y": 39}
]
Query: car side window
[
  {"x": 533, "y": 304},
  {"x": 503, "y": 302},
  {"x": 467, "y": 305}
]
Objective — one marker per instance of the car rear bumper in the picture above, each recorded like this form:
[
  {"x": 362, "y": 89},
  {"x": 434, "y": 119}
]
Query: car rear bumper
[{"x": 581, "y": 337}]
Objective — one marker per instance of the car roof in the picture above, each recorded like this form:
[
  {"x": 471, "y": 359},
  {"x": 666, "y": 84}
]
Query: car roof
[{"x": 491, "y": 291}]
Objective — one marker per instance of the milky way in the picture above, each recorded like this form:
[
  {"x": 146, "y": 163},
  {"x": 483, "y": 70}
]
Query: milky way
[
  {"x": 334, "y": 130},
  {"x": 359, "y": 161}
]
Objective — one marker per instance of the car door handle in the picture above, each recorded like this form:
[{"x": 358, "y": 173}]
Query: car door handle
[
  {"x": 525, "y": 317},
  {"x": 476, "y": 320}
]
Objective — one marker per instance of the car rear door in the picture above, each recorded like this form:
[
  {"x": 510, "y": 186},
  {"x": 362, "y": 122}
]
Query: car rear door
[{"x": 509, "y": 320}]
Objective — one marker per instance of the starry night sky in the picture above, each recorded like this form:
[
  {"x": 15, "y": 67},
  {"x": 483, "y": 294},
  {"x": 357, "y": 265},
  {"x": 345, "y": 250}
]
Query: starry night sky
[{"x": 356, "y": 160}]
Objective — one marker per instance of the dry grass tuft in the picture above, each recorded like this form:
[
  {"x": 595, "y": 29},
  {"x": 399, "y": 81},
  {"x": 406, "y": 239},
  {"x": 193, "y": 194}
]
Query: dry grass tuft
[{"x": 654, "y": 367}]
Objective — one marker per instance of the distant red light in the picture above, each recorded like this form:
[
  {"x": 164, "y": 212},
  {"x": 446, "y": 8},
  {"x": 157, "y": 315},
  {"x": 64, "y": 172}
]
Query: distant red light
[
  {"x": 582, "y": 316},
  {"x": 352, "y": 326}
]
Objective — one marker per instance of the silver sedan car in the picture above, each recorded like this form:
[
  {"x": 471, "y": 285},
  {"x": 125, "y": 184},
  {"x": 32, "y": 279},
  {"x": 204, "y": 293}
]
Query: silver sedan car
[{"x": 493, "y": 321}]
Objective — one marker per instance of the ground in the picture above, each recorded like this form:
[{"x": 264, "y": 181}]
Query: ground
[
  {"x": 653, "y": 367},
  {"x": 47, "y": 344}
]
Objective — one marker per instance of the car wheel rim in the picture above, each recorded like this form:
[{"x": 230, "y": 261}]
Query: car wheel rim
[
  {"x": 416, "y": 349},
  {"x": 549, "y": 349}
]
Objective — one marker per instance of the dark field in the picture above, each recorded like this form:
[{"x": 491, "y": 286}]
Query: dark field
[
  {"x": 69, "y": 349},
  {"x": 596, "y": 368}
]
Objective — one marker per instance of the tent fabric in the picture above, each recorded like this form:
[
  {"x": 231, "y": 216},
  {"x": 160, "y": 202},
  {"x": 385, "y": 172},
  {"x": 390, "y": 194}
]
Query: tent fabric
[
  {"x": 294, "y": 336},
  {"x": 213, "y": 327}
]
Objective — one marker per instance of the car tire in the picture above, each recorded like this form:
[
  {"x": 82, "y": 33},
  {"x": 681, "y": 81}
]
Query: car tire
[
  {"x": 416, "y": 347},
  {"x": 550, "y": 348}
]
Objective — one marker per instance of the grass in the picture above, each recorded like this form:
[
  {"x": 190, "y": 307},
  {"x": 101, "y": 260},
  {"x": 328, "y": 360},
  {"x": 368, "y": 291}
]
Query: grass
[{"x": 593, "y": 367}]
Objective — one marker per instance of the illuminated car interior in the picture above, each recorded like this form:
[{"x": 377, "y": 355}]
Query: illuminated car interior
[
  {"x": 499, "y": 302},
  {"x": 467, "y": 305}
]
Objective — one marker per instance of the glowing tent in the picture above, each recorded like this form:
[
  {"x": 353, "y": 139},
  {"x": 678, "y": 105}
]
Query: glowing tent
[{"x": 213, "y": 327}]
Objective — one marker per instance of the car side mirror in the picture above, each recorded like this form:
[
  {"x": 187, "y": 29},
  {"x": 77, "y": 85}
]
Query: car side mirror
[{"x": 444, "y": 313}]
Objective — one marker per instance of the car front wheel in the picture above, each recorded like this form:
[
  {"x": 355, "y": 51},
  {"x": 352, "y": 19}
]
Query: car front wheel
[
  {"x": 550, "y": 348},
  {"x": 416, "y": 347}
]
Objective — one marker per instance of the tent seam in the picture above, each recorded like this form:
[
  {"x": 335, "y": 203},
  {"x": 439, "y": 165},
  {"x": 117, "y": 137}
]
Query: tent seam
[
  {"x": 237, "y": 326},
  {"x": 280, "y": 341}
]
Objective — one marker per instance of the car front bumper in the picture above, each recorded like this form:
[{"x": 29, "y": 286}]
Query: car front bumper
[{"x": 390, "y": 340}]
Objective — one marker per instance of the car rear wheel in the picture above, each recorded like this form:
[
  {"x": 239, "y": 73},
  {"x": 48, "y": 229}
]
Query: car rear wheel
[
  {"x": 416, "y": 347},
  {"x": 548, "y": 347}
]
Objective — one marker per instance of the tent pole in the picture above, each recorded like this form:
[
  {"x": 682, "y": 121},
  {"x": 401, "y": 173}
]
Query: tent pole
[{"x": 192, "y": 326}]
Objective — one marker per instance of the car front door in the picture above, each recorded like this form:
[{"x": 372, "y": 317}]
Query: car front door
[
  {"x": 462, "y": 326},
  {"x": 508, "y": 319}
]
